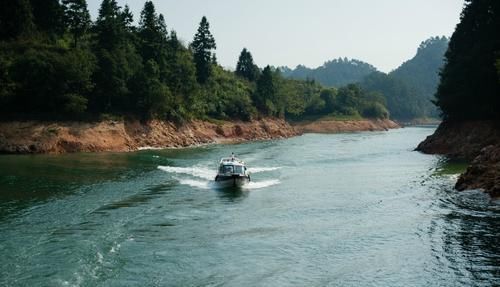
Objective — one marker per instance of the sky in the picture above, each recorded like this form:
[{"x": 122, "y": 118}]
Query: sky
[{"x": 384, "y": 33}]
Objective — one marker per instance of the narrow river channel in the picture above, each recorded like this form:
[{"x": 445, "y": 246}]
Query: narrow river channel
[{"x": 359, "y": 209}]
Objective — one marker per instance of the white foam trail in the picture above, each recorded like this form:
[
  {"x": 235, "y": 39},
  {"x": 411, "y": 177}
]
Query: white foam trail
[
  {"x": 262, "y": 169},
  {"x": 148, "y": 148},
  {"x": 200, "y": 172},
  {"x": 196, "y": 183},
  {"x": 262, "y": 184}
]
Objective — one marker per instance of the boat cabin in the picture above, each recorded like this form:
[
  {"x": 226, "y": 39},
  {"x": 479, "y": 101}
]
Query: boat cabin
[{"x": 232, "y": 166}]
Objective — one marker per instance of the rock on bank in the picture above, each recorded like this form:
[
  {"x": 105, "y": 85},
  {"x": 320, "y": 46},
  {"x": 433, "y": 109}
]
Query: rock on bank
[
  {"x": 339, "y": 126},
  {"x": 477, "y": 141},
  {"x": 130, "y": 135}
]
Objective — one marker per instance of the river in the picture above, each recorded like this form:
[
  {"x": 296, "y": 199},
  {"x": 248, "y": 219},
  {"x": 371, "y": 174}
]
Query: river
[{"x": 359, "y": 209}]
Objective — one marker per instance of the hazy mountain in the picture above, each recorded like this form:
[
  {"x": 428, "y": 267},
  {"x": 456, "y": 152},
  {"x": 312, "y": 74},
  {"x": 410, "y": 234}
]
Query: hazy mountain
[
  {"x": 421, "y": 73},
  {"x": 335, "y": 73},
  {"x": 410, "y": 88}
]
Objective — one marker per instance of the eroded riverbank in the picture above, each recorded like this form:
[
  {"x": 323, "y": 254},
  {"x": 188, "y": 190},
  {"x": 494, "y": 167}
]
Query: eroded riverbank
[
  {"x": 130, "y": 135},
  {"x": 475, "y": 141}
]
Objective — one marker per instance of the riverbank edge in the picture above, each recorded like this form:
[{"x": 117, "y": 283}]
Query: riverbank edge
[
  {"x": 343, "y": 126},
  {"x": 475, "y": 141},
  {"x": 36, "y": 137}
]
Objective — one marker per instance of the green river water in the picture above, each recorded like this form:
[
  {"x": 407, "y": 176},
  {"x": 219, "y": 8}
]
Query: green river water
[{"x": 359, "y": 209}]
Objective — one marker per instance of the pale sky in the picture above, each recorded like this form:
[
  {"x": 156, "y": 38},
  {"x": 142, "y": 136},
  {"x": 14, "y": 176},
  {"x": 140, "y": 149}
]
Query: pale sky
[{"x": 384, "y": 33}]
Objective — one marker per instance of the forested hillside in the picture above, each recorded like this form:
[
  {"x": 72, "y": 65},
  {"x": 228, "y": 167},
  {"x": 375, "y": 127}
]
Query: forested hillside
[
  {"x": 335, "y": 73},
  {"x": 408, "y": 90},
  {"x": 421, "y": 72},
  {"x": 55, "y": 63}
]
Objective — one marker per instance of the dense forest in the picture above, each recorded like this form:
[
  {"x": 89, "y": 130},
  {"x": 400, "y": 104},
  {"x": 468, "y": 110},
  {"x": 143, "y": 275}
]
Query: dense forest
[
  {"x": 408, "y": 90},
  {"x": 55, "y": 63},
  {"x": 470, "y": 80}
]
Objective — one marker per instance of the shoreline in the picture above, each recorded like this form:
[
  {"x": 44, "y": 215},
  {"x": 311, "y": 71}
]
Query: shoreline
[
  {"x": 341, "y": 126},
  {"x": 42, "y": 137},
  {"x": 478, "y": 142}
]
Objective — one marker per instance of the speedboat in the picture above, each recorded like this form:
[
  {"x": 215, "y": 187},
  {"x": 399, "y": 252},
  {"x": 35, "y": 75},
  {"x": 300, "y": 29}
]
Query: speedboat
[{"x": 232, "y": 172}]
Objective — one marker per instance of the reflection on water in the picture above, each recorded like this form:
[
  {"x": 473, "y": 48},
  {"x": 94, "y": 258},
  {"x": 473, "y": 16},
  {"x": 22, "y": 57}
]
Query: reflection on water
[
  {"x": 446, "y": 166},
  {"x": 471, "y": 235},
  {"x": 321, "y": 210}
]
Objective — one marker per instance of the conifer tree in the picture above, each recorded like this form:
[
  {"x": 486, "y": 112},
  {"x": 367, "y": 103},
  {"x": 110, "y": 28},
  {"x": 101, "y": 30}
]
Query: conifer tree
[
  {"x": 152, "y": 32},
  {"x": 117, "y": 60},
  {"x": 202, "y": 47},
  {"x": 245, "y": 67},
  {"x": 77, "y": 18},
  {"x": 264, "y": 97}
]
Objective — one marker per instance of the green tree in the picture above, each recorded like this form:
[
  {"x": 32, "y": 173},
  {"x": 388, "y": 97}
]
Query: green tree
[
  {"x": 77, "y": 18},
  {"x": 202, "y": 47},
  {"x": 229, "y": 97},
  {"x": 246, "y": 68},
  {"x": 402, "y": 100},
  {"x": 265, "y": 94},
  {"x": 127, "y": 18},
  {"x": 118, "y": 61},
  {"x": 16, "y": 19},
  {"x": 152, "y": 32},
  {"x": 48, "y": 17},
  {"x": 110, "y": 25},
  {"x": 153, "y": 98},
  {"x": 52, "y": 82},
  {"x": 469, "y": 86},
  {"x": 181, "y": 77},
  {"x": 329, "y": 97}
]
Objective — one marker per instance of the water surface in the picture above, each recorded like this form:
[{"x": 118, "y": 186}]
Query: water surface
[{"x": 359, "y": 209}]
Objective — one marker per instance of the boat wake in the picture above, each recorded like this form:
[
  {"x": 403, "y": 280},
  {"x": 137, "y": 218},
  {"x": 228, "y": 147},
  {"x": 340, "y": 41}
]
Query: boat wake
[
  {"x": 203, "y": 177},
  {"x": 262, "y": 169},
  {"x": 196, "y": 171}
]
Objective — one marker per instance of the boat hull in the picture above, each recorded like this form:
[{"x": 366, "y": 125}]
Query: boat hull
[{"x": 231, "y": 181}]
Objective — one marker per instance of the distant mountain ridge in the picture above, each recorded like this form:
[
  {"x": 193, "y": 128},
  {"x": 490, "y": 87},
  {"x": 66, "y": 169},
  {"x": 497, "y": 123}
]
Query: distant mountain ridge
[
  {"x": 408, "y": 90},
  {"x": 334, "y": 73},
  {"x": 421, "y": 73}
]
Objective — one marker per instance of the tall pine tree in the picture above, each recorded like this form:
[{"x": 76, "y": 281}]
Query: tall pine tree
[
  {"x": 245, "y": 67},
  {"x": 118, "y": 60},
  {"x": 77, "y": 18},
  {"x": 152, "y": 32},
  {"x": 265, "y": 94},
  {"x": 202, "y": 47}
]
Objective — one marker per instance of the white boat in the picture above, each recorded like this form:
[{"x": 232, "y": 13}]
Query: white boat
[{"x": 232, "y": 172}]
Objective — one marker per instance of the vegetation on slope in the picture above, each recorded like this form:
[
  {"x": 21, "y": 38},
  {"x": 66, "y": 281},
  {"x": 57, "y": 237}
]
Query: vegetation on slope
[{"x": 55, "y": 63}]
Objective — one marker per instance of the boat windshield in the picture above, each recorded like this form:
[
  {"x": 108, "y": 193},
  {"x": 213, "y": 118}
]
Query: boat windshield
[
  {"x": 231, "y": 169},
  {"x": 227, "y": 169},
  {"x": 238, "y": 169}
]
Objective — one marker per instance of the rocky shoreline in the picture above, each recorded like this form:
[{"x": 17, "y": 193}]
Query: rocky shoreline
[
  {"x": 475, "y": 141},
  {"x": 34, "y": 137},
  {"x": 340, "y": 126}
]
